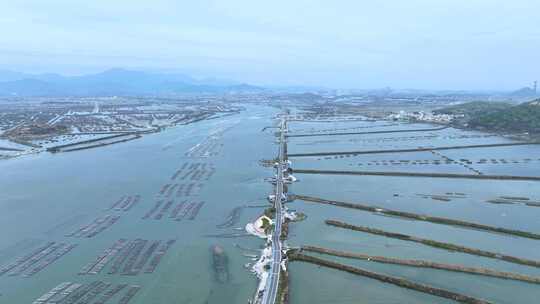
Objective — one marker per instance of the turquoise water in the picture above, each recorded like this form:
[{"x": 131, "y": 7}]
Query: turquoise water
[
  {"x": 45, "y": 196},
  {"x": 403, "y": 193}
]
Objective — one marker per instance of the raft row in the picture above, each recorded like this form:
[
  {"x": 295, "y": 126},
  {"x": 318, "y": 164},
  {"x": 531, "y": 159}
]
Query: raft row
[
  {"x": 37, "y": 260},
  {"x": 78, "y": 293},
  {"x": 95, "y": 227},
  {"x": 129, "y": 258},
  {"x": 182, "y": 210},
  {"x": 125, "y": 203}
]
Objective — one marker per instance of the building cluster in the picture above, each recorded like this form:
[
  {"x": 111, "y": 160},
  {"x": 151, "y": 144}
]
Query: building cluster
[{"x": 423, "y": 116}]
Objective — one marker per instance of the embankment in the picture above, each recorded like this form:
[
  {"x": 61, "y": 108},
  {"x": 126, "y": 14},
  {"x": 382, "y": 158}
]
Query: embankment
[
  {"x": 425, "y": 264},
  {"x": 427, "y": 149},
  {"x": 294, "y": 256},
  {"x": 94, "y": 143},
  {"x": 364, "y": 133},
  {"x": 421, "y": 217},
  {"x": 417, "y": 174},
  {"x": 436, "y": 244}
]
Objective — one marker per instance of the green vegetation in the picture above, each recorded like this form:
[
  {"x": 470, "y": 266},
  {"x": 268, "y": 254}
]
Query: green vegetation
[
  {"x": 474, "y": 108},
  {"x": 300, "y": 216},
  {"x": 522, "y": 118},
  {"x": 36, "y": 130},
  {"x": 267, "y": 226},
  {"x": 284, "y": 230},
  {"x": 270, "y": 212},
  {"x": 283, "y": 289},
  {"x": 497, "y": 116}
]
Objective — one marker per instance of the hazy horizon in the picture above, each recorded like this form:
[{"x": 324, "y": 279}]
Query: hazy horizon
[{"x": 454, "y": 45}]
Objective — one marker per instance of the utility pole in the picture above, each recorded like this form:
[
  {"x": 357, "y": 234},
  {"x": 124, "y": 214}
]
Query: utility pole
[{"x": 535, "y": 85}]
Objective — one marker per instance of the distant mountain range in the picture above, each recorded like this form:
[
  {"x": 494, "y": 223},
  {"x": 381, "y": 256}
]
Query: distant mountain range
[
  {"x": 122, "y": 82},
  {"x": 117, "y": 82}
]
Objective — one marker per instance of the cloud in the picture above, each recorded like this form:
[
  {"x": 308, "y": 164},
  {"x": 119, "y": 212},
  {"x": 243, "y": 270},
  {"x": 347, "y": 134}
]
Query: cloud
[{"x": 420, "y": 43}]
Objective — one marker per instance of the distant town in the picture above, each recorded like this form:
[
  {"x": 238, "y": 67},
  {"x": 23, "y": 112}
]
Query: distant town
[{"x": 55, "y": 124}]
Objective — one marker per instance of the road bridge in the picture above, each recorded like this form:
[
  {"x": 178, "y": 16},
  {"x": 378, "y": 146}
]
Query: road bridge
[{"x": 272, "y": 283}]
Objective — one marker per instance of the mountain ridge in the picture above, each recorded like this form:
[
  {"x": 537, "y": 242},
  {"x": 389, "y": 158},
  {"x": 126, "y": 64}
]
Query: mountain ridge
[{"x": 115, "y": 81}]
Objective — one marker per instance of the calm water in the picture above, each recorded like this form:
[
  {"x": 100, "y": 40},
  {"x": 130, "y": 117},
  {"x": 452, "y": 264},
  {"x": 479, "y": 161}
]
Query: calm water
[
  {"x": 332, "y": 286},
  {"x": 43, "y": 197}
]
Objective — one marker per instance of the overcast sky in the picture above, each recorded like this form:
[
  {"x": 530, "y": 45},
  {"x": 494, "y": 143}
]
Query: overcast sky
[{"x": 443, "y": 44}]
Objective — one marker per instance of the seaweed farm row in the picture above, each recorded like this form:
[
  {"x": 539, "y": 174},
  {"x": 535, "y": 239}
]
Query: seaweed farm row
[
  {"x": 422, "y": 137},
  {"x": 420, "y": 217},
  {"x": 97, "y": 292},
  {"x": 37, "y": 260},
  {"x": 179, "y": 190},
  {"x": 448, "y": 196},
  {"x": 343, "y": 129},
  {"x": 393, "y": 162},
  {"x": 194, "y": 171},
  {"x": 398, "y": 139},
  {"x": 95, "y": 227},
  {"x": 411, "y": 150},
  {"x": 129, "y": 258},
  {"x": 207, "y": 148},
  {"x": 419, "y": 174},
  {"x": 210, "y": 146},
  {"x": 125, "y": 203},
  {"x": 365, "y": 133},
  {"x": 181, "y": 210},
  {"x": 232, "y": 218},
  {"x": 476, "y": 239},
  {"x": 166, "y": 206},
  {"x": 465, "y": 163},
  {"x": 513, "y": 200}
]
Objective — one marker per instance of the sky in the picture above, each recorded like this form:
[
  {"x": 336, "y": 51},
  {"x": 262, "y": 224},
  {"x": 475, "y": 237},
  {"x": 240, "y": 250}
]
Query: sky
[{"x": 424, "y": 44}]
